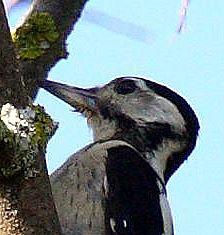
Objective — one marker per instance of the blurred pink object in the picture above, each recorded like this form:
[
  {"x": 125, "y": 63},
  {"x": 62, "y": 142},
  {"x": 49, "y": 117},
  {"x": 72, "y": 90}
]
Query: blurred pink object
[
  {"x": 9, "y": 4},
  {"x": 183, "y": 14}
]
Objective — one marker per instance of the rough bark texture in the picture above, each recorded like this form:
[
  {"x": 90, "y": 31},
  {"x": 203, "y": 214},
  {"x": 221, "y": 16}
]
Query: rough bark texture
[
  {"x": 10, "y": 79},
  {"x": 65, "y": 14},
  {"x": 26, "y": 204}
]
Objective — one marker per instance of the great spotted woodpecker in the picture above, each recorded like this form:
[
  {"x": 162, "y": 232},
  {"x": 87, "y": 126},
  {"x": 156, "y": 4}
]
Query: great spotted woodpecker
[{"x": 143, "y": 132}]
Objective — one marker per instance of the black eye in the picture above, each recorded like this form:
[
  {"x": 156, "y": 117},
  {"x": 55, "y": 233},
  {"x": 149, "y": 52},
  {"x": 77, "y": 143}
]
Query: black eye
[{"x": 125, "y": 87}]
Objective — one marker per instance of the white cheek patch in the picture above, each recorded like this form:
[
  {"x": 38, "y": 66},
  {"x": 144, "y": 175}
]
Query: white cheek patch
[
  {"x": 163, "y": 111},
  {"x": 150, "y": 107},
  {"x": 154, "y": 109}
]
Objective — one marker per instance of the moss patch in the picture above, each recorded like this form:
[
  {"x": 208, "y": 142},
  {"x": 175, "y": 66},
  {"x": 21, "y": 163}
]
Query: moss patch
[
  {"x": 22, "y": 141},
  {"x": 45, "y": 127},
  {"x": 36, "y": 35}
]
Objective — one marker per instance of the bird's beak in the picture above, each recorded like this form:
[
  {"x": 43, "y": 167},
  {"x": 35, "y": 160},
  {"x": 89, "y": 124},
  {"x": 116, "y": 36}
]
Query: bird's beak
[{"x": 83, "y": 100}]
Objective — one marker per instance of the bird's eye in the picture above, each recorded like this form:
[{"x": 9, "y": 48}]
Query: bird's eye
[{"x": 125, "y": 87}]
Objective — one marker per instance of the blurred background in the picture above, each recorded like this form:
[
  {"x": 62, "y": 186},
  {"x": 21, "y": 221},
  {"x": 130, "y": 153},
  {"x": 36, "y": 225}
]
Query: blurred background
[{"x": 140, "y": 38}]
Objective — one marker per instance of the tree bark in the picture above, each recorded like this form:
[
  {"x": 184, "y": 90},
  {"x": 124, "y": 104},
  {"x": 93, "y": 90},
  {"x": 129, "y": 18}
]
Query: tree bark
[
  {"x": 65, "y": 14},
  {"x": 26, "y": 203}
]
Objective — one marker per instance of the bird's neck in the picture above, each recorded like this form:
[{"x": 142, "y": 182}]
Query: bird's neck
[
  {"x": 155, "y": 141},
  {"x": 155, "y": 149}
]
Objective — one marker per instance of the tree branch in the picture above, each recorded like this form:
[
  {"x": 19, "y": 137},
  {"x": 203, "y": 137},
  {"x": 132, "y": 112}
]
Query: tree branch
[
  {"x": 64, "y": 14},
  {"x": 10, "y": 80},
  {"x": 26, "y": 203}
]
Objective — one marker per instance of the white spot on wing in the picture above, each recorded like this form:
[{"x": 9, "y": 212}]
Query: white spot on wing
[
  {"x": 112, "y": 224},
  {"x": 125, "y": 223},
  {"x": 105, "y": 186}
]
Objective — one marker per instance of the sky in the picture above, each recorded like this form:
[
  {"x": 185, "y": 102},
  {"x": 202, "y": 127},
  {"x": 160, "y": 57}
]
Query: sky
[{"x": 146, "y": 45}]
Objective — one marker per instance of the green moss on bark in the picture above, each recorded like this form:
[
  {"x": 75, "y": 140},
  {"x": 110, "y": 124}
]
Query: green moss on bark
[
  {"x": 37, "y": 35},
  {"x": 21, "y": 143}
]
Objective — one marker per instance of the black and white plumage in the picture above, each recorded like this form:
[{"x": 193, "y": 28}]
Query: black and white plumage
[{"x": 143, "y": 132}]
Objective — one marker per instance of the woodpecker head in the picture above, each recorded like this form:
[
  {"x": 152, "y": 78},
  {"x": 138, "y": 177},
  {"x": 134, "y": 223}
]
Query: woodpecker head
[{"x": 149, "y": 116}]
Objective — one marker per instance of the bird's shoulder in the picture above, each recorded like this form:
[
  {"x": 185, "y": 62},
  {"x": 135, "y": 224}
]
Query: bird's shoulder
[
  {"x": 79, "y": 188},
  {"x": 93, "y": 153}
]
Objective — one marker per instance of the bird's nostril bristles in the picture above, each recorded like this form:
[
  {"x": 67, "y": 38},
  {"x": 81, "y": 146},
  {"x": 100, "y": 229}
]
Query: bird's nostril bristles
[{"x": 84, "y": 110}]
